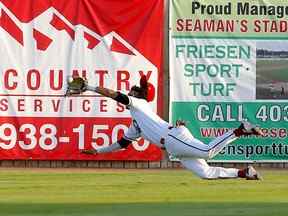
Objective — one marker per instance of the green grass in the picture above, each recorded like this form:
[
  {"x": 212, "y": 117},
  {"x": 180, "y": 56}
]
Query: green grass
[
  {"x": 138, "y": 193},
  {"x": 269, "y": 70}
]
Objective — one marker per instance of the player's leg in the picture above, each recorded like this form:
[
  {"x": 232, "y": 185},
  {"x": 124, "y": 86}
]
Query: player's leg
[
  {"x": 217, "y": 144},
  {"x": 220, "y": 142},
  {"x": 181, "y": 143},
  {"x": 203, "y": 170}
]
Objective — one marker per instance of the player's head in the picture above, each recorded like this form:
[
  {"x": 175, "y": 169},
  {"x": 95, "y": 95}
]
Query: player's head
[
  {"x": 145, "y": 91},
  {"x": 137, "y": 92}
]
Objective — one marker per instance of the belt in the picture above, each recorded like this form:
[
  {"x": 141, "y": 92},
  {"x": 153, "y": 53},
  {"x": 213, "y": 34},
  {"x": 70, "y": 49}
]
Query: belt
[{"x": 162, "y": 140}]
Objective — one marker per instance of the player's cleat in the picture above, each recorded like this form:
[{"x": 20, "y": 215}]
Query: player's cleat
[
  {"x": 246, "y": 128},
  {"x": 252, "y": 174}
]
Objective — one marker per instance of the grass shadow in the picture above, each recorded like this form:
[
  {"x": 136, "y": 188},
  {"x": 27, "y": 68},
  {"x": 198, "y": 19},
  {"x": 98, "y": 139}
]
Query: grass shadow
[{"x": 145, "y": 209}]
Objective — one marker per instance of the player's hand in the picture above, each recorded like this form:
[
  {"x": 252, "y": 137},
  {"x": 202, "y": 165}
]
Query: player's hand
[
  {"x": 89, "y": 151},
  {"x": 180, "y": 123},
  {"x": 76, "y": 86}
]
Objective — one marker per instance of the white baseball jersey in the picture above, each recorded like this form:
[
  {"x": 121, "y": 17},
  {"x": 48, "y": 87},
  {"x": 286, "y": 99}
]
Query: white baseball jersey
[
  {"x": 145, "y": 122},
  {"x": 178, "y": 141}
]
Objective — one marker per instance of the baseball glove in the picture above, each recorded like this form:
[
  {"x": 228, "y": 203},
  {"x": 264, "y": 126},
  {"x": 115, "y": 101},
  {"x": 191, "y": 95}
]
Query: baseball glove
[{"x": 76, "y": 85}]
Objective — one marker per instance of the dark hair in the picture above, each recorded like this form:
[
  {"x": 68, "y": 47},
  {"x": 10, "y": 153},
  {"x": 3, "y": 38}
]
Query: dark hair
[{"x": 141, "y": 93}]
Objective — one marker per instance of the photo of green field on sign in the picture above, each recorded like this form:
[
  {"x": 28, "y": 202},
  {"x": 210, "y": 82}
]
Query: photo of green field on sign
[{"x": 271, "y": 70}]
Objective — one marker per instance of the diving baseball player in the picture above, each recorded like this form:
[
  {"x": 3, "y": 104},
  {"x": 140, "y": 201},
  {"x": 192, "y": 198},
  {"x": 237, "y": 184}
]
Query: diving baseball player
[{"x": 177, "y": 140}]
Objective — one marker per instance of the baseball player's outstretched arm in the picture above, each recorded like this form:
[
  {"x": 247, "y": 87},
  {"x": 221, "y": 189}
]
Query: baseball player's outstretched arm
[
  {"x": 115, "y": 95},
  {"x": 103, "y": 91},
  {"x": 78, "y": 85},
  {"x": 120, "y": 144}
]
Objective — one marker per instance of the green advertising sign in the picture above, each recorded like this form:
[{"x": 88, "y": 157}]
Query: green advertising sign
[
  {"x": 238, "y": 19},
  {"x": 229, "y": 63}
]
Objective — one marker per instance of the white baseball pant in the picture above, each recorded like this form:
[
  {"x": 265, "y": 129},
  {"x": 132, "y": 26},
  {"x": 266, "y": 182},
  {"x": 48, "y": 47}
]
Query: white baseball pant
[{"x": 192, "y": 152}]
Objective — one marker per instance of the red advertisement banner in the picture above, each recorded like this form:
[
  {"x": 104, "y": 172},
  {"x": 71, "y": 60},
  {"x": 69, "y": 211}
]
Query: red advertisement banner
[
  {"x": 62, "y": 139},
  {"x": 111, "y": 43}
]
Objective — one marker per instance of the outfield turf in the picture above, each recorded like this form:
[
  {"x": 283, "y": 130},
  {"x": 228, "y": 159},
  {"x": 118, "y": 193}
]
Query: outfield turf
[
  {"x": 92, "y": 192},
  {"x": 271, "y": 70}
]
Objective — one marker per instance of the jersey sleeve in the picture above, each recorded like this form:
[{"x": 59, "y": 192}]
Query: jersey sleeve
[
  {"x": 133, "y": 132},
  {"x": 122, "y": 98},
  {"x": 135, "y": 102}
]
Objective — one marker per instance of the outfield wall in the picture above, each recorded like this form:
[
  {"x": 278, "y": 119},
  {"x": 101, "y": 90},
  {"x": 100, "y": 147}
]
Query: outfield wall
[{"x": 164, "y": 163}]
